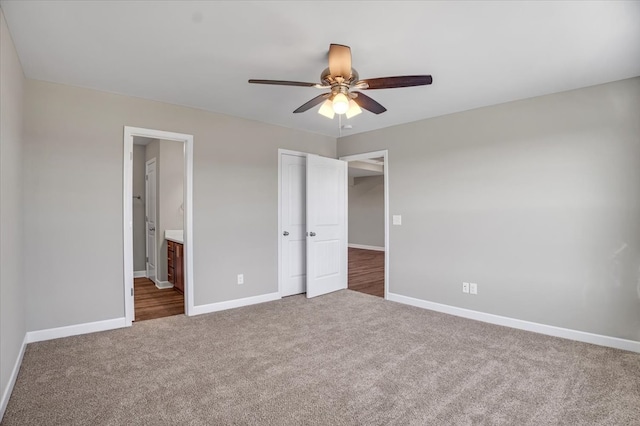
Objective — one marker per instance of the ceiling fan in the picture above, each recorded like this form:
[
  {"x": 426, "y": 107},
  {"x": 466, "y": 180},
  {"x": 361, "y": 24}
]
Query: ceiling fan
[{"x": 341, "y": 79}]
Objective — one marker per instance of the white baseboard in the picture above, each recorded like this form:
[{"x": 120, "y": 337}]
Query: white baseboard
[
  {"x": 365, "y": 247},
  {"x": 139, "y": 274},
  {"x": 6, "y": 392},
  {"x": 237, "y": 303},
  {"x": 74, "y": 330},
  {"x": 163, "y": 284},
  {"x": 550, "y": 330}
]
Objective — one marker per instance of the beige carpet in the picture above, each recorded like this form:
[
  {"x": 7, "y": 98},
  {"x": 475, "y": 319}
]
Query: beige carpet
[{"x": 340, "y": 359}]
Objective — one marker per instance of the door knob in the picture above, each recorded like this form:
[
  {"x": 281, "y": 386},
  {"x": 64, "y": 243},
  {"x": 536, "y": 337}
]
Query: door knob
[
  {"x": 285, "y": 233},
  {"x": 312, "y": 234}
]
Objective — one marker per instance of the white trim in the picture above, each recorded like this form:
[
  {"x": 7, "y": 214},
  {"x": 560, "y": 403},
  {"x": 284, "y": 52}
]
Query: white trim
[
  {"x": 282, "y": 152},
  {"x": 74, "y": 330},
  {"x": 377, "y": 154},
  {"x": 188, "y": 226},
  {"x": 237, "y": 303},
  {"x": 6, "y": 393},
  {"x": 366, "y": 247},
  {"x": 550, "y": 330},
  {"x": 139, "y": 274},
  {"x": 163, "y": 284},
  {"x": 127, "y": 223},
  {"x": 129, "y": 133}
]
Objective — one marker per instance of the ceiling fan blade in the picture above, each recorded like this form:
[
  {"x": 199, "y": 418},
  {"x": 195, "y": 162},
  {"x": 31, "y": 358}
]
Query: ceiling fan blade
[
  {"x": 369, "y": 104},
  {"x": 340, "y": 61},
  {"x": 283, "y": 83},
  {"x": 395, "y": 82},
  {"x": 313, "y": 102}
]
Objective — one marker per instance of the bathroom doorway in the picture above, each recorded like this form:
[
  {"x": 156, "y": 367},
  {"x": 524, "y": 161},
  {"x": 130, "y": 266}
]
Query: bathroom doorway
[
  {"x": 157, "y": 224},
  {"x": 158, "y": 228}
]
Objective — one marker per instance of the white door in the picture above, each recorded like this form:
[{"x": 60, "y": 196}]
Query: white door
[
  {"x": 293, "y": 219},
  {"x": 326, "y": 225},
  {"x": 150, "y": 212}
]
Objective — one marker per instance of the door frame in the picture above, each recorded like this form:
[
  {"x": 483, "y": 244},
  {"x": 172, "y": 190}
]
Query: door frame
[
  {"x": 282, "y": 152},
  {"x": 364, "y": 156},
  {"x": 127, "y": 214},
  {"x": 146, "y": 230}
]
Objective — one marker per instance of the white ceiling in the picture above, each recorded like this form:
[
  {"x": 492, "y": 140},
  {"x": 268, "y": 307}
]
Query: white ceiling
[{"x": 201, "y": 54}]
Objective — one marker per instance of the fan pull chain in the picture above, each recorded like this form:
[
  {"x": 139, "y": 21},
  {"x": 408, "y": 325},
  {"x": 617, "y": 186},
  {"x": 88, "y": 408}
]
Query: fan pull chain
[{"x": 340, "y": 125}]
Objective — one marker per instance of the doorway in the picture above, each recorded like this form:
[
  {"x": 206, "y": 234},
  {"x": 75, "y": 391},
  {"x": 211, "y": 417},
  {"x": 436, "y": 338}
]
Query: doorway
[
  {"x": 164, "y": 243},
  {"x": 368, "y": 223},
  {"x": 158, "y": 226}
]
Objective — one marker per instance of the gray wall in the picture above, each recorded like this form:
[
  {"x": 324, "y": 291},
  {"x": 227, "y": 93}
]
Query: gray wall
[
  {"x": 170, "y": 197},
  {"x": 73, "y": 140},
  {"x": 537, "y": 201},
  {"x": 366, "y": 211},
  {"x": 153, "y": 152},
  {"x": 12, "y": 294},
  {"x": 139, "y": 245}
]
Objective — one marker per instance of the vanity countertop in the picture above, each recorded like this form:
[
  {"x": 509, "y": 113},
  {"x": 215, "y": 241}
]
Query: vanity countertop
[{"x": 175, "y": 235}]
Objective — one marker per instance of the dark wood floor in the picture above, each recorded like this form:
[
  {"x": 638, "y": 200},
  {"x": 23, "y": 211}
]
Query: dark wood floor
[
  {"x": 366, "y": 275},
  {"x": 366, "y": 271},
  {"x": 150, "y": 302}
]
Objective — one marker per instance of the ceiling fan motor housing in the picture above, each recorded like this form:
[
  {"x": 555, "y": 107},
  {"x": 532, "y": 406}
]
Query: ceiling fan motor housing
[{"x": 339, "y": 84}]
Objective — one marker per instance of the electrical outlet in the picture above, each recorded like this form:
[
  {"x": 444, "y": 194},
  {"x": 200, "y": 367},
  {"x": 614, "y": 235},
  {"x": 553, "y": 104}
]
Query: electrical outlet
[
  {"x": 240, "y": 278},
  {"x": 465, "y": 287},
  {"x": 397, "y": 219},
  {"x": 473, "y": 288}
]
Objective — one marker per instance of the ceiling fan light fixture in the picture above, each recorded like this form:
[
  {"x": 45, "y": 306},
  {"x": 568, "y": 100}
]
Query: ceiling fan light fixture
[
  {"x": 327, "y": 109},
  {"x": 340, "y": 103},
  {"x": 354, "y": 109}
]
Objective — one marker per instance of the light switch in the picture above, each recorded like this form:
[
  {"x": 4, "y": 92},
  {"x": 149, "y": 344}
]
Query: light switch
[{"x": 397, "y": 219}]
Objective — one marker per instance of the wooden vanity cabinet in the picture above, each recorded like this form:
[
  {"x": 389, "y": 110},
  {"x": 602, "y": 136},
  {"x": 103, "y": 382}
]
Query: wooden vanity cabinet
[{"x": 175, "y": 265}]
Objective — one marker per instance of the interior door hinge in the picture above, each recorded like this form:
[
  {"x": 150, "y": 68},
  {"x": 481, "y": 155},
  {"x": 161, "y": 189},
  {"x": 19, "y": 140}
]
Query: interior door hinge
[
  {"x": 131, "y": 291},
  {"x": 147, "y": 258}
]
